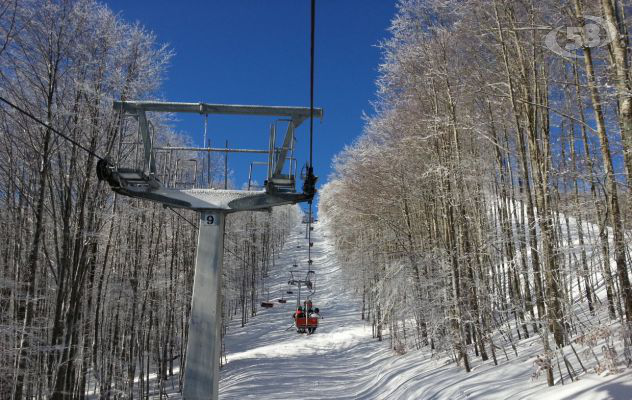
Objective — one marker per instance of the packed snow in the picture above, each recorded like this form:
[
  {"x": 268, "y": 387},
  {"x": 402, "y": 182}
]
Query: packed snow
[{"x": 268, "y": 359}]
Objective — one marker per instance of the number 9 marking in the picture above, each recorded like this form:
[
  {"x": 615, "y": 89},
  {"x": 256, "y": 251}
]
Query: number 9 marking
[{"x": 210, "y": 219}]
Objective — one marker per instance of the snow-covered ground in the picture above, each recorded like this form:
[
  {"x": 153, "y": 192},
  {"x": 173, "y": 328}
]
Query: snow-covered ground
[{"x": 268, "y": 360}]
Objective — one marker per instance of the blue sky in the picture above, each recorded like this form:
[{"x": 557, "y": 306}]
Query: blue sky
[{"x": 257, "y": 52}]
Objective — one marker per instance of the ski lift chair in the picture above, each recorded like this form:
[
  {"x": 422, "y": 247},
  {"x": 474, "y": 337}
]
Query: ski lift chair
[
  {"x": 303, "y": 324},
  {"x": 306, "y": 323},
  {"x": 309, "y": 279}
]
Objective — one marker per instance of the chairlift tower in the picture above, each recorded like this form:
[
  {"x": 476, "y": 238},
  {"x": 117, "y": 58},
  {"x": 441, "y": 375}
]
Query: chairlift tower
[{"x": 146, "y": 181}]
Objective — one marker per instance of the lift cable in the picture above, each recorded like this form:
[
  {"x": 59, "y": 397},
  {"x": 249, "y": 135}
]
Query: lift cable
[
  {"x": 182, "y": 217},
  {"x": 310, "y": 172},
  {"x": 311, "y": 87},
  {"x": 188, "y": 221},
  {"x": 39, "y": 121}
]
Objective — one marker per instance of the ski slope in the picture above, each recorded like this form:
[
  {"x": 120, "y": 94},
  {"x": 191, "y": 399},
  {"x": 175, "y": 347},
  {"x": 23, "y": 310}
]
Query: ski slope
[{"x": 266, "y": 360}]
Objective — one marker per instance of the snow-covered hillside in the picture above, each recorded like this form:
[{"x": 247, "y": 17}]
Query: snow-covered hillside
[{"x": 268, "y": 360}]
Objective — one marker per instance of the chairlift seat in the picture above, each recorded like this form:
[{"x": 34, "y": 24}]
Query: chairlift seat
[
  {"x": 309, "y": 322},
  {"x": 267, "y": 304}
]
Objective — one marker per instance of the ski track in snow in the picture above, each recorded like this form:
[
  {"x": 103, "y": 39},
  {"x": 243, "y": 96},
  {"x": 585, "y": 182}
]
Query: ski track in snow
[
  {"x": 268, "y": 360},
  {"x": 342, "y": 360}
]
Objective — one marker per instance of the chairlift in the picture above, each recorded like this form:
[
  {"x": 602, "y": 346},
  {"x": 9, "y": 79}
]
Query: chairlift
[
  {"x": 291, "y": 281},
  {"x": 148, "y": 170},
  {"x": 304, "y": 322},
  {"x": 282, "y": 300},
  {"x": 307, "y": 282},
  {"x": 143, "y": 179},
  {"x": 310, "y": 283},
  {"x": 267, "y": 303},
  {"x": 303, "y": 325}
]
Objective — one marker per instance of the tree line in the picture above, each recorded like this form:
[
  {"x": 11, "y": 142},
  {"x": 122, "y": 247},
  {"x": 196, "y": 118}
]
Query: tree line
[
  {"x": 95, "y": 288},
  {"x": 487, "y": 199}
]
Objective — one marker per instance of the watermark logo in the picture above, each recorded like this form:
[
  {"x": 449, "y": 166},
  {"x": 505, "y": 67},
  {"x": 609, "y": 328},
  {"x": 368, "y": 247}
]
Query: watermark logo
[{"x": 596, "y": 32}]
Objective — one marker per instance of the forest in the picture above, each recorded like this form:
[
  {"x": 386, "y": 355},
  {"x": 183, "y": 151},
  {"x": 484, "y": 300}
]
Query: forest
[
  {"x": 95, "y": 288},
  {"x": 487, "y": 200}
]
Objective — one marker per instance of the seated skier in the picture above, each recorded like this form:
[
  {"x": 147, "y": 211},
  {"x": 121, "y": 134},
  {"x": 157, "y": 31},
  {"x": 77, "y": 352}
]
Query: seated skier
[
  {"x": 297, "y": 316},
  {"x": 314, "y": 314}
]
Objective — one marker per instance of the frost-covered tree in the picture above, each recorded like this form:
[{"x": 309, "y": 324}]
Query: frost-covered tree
[
  {"x": 95, "y": 289},
  {"x": 483, "y": 197}
]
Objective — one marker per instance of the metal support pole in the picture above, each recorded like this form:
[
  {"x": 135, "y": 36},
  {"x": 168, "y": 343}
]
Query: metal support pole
[
  {"x": 201, "y": 376},
  {"x": 208, "y": 166},
  {"x": 226, "y": 167},
  {"x": 249, "y": 176},
  {"x": 207, "y": 143}
]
